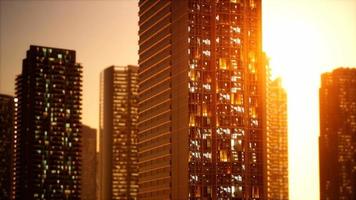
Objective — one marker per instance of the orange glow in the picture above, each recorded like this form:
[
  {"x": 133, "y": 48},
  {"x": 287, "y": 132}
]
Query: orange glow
[
  {"x": 222, "y": 63},
  {"x": 192, "y": 121},
  {"x": 205, "y": 110},
  {"x": 304, "y": 39}
]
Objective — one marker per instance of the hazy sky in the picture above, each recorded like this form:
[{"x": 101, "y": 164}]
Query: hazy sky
[
  {"x": 305, "y": 38},
  {"x": 102, "y": 33},
  {"x": 302, "y": 37}
]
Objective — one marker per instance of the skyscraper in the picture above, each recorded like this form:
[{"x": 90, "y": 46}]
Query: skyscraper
[
  {"x": 47, "y": 145},
  {"x": 7, "y": 113},
  {"x": 337, "y": 141},
  {"x": 88, "y": 163},
  {"x": 118, "y": 133},
  {"x": 277, "y": 142},
  {"x": 201, "y": 100}
]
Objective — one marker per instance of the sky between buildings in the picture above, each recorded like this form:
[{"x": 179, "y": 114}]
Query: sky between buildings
[{"x": 303, "y": 38}]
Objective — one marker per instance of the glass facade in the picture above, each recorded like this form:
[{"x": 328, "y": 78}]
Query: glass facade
[
  {"x": 47, "y": 143},
  {"x": 202, "y": 113},
  {"x": 225, "y": 108},
  {"x": 337, "y": 141}
]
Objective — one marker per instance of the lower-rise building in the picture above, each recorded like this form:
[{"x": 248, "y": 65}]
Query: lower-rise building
[
  {"x": 88, "y": 163},
  {"x": 7, "y": 111}
]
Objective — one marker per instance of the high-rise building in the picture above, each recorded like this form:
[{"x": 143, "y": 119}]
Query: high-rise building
[
  {"x": 118, "y": 132},
  {"x": 88, "y": 163},
  {"x": 337, "y": 141},
  {"x": 277, "y": 142},
  {"x": 7, "y": 114},
  {"x": 47, "y": 145},
  {"x": 201, "y": 100}
]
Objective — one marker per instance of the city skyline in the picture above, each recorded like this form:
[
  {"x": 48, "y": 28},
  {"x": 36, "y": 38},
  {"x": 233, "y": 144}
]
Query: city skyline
[{"x": 312, "y": 79}]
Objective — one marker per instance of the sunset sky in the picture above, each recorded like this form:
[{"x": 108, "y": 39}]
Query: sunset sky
[{"x": 303, "y": 38}]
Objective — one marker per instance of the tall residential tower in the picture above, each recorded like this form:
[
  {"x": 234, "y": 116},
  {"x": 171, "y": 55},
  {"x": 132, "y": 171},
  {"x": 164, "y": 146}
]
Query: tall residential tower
[
  {"x": 201, "y": 100},
  {"x": 118, "y": 133},
  {"x": 337, "y": 141},
  {"x": 47, "y": 145}
]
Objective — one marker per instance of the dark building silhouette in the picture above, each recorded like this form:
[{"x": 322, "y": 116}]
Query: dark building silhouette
[
  {"x": 337, "y": 141},
  {"x": 88, "y": 163},
  {"x": 47, "y": 145},
  {"x": 7, "y": 114},
  {"x": 201, "y": 100},
  {"x": 277, "y": 141},
  {"x": 118, "y": 133}
]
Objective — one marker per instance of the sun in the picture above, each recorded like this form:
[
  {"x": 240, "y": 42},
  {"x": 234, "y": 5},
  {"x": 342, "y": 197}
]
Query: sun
[{"x": 294, "y": 48}]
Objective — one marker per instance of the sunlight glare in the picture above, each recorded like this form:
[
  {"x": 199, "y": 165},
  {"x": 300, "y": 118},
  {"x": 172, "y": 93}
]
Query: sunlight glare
[{"x": 294, "y": 49}]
